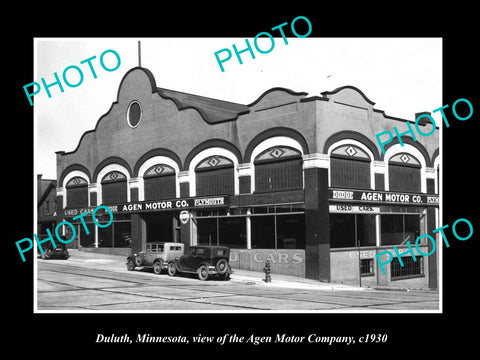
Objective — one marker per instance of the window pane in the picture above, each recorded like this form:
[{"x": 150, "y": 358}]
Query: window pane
[
  {"x": 207, "y": 231},
  {"x": 160, "y": 187},
  {"x": 350, "y": 173},
  {"x": 366, "y": 230},
  {"x": 215, "y": 182},
  {"x": 263, "y": 232},
  {"x": 114, "y": 193},
  {"x": 392, "y": 229},
  {"x": 342, "y": 230},
  {"x": 87, "y": 240},
  {"x": 291, "y": 232},
  {"x": 77, "y": 196},
  {"x": 121, "y": 234},
  {"x": 410, "y": 267},
  {"x": 404, "y": 178},
  {"x": 233, "y": 232},
  {"x": 279, "y": 175},
  {"x": 105, "y": 236},
  {"x": 412, "y": 227}
]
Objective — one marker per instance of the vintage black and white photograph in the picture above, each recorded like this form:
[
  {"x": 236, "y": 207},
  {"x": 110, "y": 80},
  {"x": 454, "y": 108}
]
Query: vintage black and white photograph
[{"x": 269, "y": 174}]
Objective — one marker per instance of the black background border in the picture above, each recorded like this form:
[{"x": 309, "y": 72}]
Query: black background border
[{"x": 74, "y": 334}]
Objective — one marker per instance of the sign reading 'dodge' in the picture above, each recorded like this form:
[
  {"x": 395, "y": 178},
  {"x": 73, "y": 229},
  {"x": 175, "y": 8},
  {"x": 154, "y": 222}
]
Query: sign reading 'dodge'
[
  {"x": 432, "y": 240},
  {"x": 68, "y": 76},
  {"x": 59, "y": 238},
  {"x": 256, "y": 45},
  {"x": 417, "y": 120}
]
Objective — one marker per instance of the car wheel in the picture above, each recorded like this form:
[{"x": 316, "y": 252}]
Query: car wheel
[
  {"x": 158, "y": 267},
  {"x": 172, "y": 269},
  {"x": 221, "y": 266},
  {"x": 202, "y": 272},
  {"x": 130, "y": 265},
  {"x": 138, "y": 260}
]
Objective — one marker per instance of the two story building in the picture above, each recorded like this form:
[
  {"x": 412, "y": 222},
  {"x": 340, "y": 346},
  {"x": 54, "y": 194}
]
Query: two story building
[{"x": 294, "y": 179}]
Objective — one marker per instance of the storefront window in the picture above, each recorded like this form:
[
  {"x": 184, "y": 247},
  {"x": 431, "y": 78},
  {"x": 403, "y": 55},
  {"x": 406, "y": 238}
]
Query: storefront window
[
  {"x": 352, "y": 230},
  {"x": 271, "y": 228},
  {"x": 290, "y": 232},
  {"x": 105, "y": 237},
  {"x": 117, "y": 234},
  {"x": 87, "y": 240},
  {"x": 366, "y": 230},
  {"x": 232, "y": 232},
  {"x": 263, "y": 232},
  {"x": 207, "y": 231},
  {"x": 397, "y": 229}
]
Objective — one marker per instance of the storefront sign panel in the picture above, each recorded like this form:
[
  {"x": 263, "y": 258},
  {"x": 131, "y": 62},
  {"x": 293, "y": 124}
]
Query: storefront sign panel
[
  {"x": 382, "y": 197},
  {"x": 157, "y": 205},
  {"x": 354, "y": 209}
]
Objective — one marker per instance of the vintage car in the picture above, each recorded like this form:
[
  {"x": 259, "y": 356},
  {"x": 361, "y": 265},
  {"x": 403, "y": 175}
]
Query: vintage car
[
  {"x": 157, "y": 255},
  {"x": 205, "y": 261},
  {"x": 60, "y": 250}
]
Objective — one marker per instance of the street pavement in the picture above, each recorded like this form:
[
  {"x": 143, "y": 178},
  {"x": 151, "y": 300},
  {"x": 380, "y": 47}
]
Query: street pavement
[{"x": 99, "y": 282}]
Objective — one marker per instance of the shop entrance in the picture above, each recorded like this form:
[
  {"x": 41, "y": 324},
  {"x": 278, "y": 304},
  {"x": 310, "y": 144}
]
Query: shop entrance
[{"x": 162, "y": 226}]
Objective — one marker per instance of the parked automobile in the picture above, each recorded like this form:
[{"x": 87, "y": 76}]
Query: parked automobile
[
  {"x": 157, "y": 256},
  {"x": 60, "y": 250},
  {"x": 205, "y": 261}
]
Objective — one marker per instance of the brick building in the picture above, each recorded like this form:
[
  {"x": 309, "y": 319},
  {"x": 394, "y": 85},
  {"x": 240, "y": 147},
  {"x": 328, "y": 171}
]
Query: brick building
[
  {"x": 297, "y": 180},
  {"x": 46, "y": 206}
]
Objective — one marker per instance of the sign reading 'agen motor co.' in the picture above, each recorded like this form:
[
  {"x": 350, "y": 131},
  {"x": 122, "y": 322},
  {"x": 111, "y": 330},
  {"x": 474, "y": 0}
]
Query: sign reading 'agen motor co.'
[
  {"x": 156, "y": 205},
  {"x": 379, "y": 197}
]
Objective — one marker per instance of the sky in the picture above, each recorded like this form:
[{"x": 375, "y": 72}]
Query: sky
[{"x": 403, "y": 76}]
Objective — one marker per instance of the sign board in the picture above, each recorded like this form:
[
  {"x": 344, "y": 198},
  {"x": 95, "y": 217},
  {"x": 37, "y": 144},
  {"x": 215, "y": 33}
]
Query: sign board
[
  {"x": 156, "y": 205},
  {"x": 184, "y": 217},
  {"x": 354, "y": 209},
  {"x": 382, "y": 197}
]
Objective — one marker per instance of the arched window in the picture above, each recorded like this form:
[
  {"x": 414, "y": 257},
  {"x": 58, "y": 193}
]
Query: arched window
[
  {"x": 278, "y": 168},
  {"x": 350, "y": 167},
  {"x": 404, "y": 173},
  {"x": 77, "y": 192},
  {"x": 215, "y": 176},
  {"x": 159, "y": 182},
  {"x": 114, "y": 188}
]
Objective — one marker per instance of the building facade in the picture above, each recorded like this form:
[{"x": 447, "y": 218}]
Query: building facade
[
  {"x": 46, "y": 206},
  {"x": 299, "y": 181}
]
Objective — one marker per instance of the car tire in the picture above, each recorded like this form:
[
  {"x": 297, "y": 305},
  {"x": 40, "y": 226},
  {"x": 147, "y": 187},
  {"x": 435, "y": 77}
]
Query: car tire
[
  {"x": 202, "y": 272},
  {"x": 172, "y": 269},
  {"x": 138, "y": 260},
  {"x": 130, "y": 265},
  {"x": 221, "y": 266},
  {"x": 158, "y": 267}
]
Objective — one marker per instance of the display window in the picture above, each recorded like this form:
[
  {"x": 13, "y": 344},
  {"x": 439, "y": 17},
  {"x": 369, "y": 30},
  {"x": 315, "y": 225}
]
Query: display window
[{"x": 352, "y": 230}]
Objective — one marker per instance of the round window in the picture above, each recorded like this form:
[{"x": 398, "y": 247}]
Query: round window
[{"x": 134, "y": 114}]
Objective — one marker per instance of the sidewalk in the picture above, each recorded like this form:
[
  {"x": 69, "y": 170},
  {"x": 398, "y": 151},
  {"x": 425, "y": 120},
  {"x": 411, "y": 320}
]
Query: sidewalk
[{"x": 249, "y": 278}]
